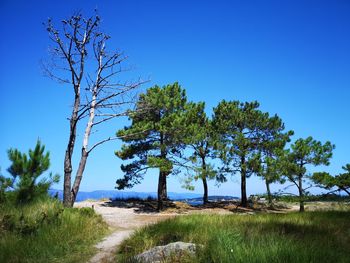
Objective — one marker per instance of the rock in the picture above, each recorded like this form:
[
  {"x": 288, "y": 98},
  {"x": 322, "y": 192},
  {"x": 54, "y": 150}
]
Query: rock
[{"x": 160, "y": 253}]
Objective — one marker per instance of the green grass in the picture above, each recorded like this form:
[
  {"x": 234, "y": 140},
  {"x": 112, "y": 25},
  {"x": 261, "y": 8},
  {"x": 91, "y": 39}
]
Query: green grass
[
  {"x": 45, "y": 232},
  {"x": 294, "y": 237}
]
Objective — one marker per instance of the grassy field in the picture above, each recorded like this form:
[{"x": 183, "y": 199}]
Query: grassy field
[
  {"x": 291, "y": 237},
  {"x": 45, "y": 232}
]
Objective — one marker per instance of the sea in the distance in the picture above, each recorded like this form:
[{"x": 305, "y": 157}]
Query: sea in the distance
[{"x": 190, "y": 198}]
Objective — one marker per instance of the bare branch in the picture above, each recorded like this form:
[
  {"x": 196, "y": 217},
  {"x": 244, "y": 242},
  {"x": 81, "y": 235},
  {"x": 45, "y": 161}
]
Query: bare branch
[{"x": 110, "y": 116}]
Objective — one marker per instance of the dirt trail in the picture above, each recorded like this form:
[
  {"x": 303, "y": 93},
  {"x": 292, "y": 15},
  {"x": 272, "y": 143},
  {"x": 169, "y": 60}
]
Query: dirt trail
[{"x": 123, "y": 222}]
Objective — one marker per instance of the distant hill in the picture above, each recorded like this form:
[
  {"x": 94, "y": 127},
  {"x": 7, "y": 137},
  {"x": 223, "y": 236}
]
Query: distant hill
[{"x": 99, "y": 194}]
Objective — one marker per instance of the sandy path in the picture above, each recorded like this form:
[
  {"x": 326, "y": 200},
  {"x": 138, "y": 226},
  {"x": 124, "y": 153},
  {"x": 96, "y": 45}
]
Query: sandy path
[{"x": 123, "y": 222}]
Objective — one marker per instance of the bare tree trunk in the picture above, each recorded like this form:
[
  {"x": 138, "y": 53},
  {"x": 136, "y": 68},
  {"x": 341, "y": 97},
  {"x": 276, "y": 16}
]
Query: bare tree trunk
[
  {"x": 79, "y": 175},
  {"x": 204, "y": 179},
  {"x": 269, "y": 196},
  {"x": 67, "y": 200},
  {"x": 301, "y": 194},
  {"x": 244, "y": 202},
  {"x": 162, "y": 191},
  {"x": 78, "y": 37},
  {"x": 84, "y": 150}
]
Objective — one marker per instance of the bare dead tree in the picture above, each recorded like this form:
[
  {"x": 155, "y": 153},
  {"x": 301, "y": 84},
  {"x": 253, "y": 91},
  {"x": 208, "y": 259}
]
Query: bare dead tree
[{"x": 79, "y": 59}]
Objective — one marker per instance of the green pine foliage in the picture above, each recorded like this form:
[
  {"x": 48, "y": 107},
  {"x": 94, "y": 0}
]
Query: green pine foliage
[
  {"x": 200, "y": 137},
  {"x": 5, "y": 184},
  {"x": 26, "y": 171},
  {"x": 152, "y": 140},
  {"x": 271, "y": 149},
  {"x": 304, "y": 152},
  {"x": 173, "y": 135},
  {"x": 340, "y": 181},
  {"x": 242, "y": 130}
]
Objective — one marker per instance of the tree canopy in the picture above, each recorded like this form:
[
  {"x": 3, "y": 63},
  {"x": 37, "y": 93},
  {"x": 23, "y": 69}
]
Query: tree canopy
[
  {"x": 200, "y": 138},
  {"x": 271, "y": 150},
  {"x": 152, "y": 139},
  {"x": 340, "y": 181},
  {"x": 242, "y": 129},
  {"x": 305, "y": 152}
]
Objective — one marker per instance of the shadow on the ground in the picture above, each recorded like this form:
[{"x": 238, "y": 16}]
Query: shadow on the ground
[
  {"x": 150, "y": 206},
  {"x": 139, "y": 205}
]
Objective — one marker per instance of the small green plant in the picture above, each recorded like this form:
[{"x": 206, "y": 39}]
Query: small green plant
[
  {"x": 25, "y": 171},
  {"x": 5, "y": 184}
]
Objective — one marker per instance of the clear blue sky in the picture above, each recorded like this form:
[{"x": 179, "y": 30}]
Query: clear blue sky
[{"x": 292, "y": 56}]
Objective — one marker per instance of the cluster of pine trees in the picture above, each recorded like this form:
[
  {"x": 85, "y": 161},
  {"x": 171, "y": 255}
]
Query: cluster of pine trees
[{"x": 175, "y": 135}]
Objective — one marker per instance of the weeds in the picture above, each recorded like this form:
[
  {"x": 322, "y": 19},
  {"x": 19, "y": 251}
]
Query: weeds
[
  {"x": 293, "y": 237},
  {"x": 45, "y": 232}
]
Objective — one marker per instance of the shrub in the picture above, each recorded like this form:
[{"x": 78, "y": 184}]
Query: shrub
[{"x": 25, "y": 171}]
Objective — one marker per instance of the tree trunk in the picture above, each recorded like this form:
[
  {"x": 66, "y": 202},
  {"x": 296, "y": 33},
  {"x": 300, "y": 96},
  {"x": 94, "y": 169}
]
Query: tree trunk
[
  {"x": 204, "y": 179},
  {"x": 67, "y": 177},
  {"x": 205, "y": 187},
  {"x": 244, "y": 202},
  {"x": 79, "y": 176},
  {"x": 162, "y": 191},
  {"x": 84, "y": 150},
  {"x": 301, "y": 194},
  {"x": 162, "y": 187},
  {"x": 269, "y": 197},
  {"x": 67, "y": 199}
]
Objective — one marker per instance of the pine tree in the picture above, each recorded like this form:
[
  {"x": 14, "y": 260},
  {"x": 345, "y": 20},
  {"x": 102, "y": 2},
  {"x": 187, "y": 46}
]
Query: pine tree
[
  {"x": 340, "y": 181},
  {"x": 199, "y": 137},
  {"x": 305, "y": 152},
  {"x": 152, "y": 140},
  {"x": 240, "y": 128},
  {"x": 26, "y": 169},
  {"x": 271, "y": 150}
]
